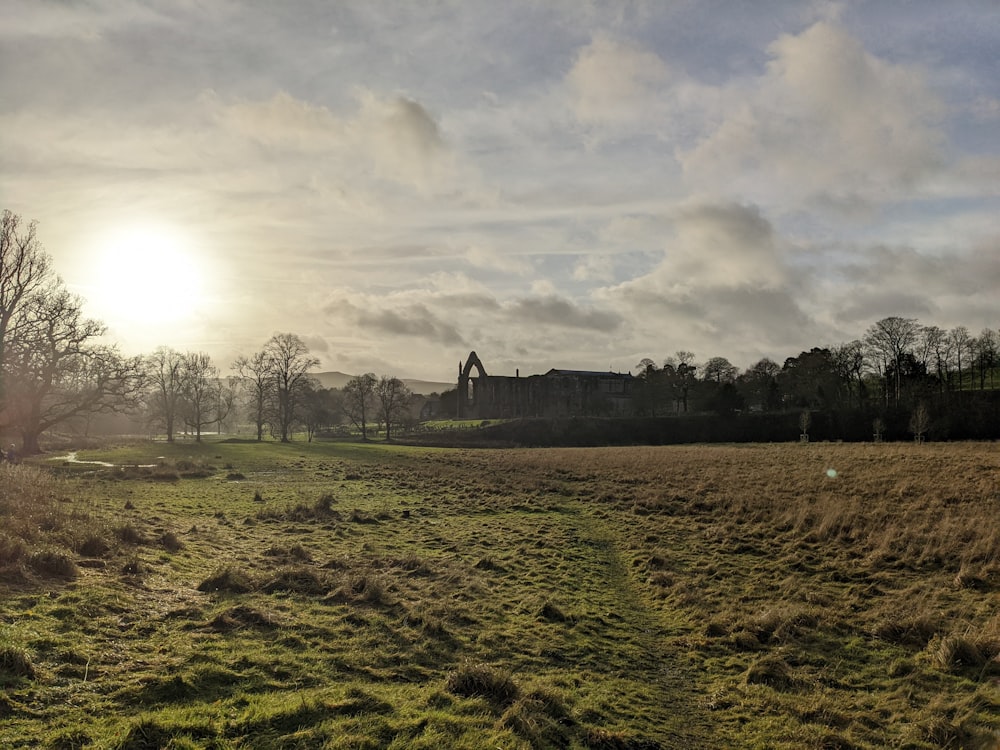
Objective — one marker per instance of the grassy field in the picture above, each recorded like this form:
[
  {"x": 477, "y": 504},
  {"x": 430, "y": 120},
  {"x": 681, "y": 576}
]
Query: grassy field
[{"x": 236, "y": 595}]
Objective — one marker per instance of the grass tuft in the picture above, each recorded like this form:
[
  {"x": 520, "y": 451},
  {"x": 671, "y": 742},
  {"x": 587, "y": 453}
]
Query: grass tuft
[
  {"x": 496, "y": 685},
  {"x": 228, "y": 579},
  {"x": 770, "y": 670},
  {"x": 53, "y": 561}
]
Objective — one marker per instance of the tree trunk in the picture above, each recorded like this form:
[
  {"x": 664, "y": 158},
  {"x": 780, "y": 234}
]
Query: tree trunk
[{"x": 29, "y": 442}]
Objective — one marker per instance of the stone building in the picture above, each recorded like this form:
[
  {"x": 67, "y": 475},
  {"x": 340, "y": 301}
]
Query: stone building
[{"x": 557, "y": 393}]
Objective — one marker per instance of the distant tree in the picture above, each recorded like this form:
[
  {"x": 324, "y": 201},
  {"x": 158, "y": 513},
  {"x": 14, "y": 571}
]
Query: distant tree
[
  {"x": 289, "y": 363},
  {"x": 359, "y": 401},
  {"x": 849, "y": 365},
  {"x": 165, "y": 374},
  {"x": 805, "y": 419},
  {"x": 759, "y": 384},
  {"x": 987, "y": 345},
  {"x": 720, "y": 370},
  {"x": 878, "y": 429},
  {"x": 652, "y": 388},
  {"x": 811, "y": 379},
  {"x": 919, "y": 422},
  {"x": 203, "y": 398},
  {"x": 958, "y": 339},
  {"x": 890, "y": 338},
  {"x": 684, "y": 377},
  {"x": 254, "y": 373},
  {"x": 393, "y": 400},
  {"x": 934, "y": 351},
  {"x": 321, "y": 408}
]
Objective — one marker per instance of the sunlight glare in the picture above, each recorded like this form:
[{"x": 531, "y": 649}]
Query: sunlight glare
[{"x": 147, "y": 274}]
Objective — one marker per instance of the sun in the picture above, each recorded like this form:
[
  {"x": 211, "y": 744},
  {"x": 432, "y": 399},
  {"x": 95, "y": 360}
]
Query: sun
[{"x": 146, "y": 274}]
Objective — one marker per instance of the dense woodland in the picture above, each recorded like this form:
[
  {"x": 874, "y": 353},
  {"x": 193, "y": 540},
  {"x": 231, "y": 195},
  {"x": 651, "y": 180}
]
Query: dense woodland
[{"x": 57, "y": 374}]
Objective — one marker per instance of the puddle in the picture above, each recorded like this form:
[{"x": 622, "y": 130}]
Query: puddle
[{"x": 70, "y": 458}]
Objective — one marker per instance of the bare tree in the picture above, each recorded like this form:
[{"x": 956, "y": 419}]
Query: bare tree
[
  {"x": 920, "y": 420},
  {"x": 289, "y": 363},
  {"x": 359, "y": 401},
  {"x": 935, "y": 347},
  {"x": 254, "y": 373},
  {"x": 165, "y": 373},
  {"x": 24, "y": 270},
  {"x": 891, "y": 338},
  {"x": 56, "y": 370},
  {"x": 958, "y": 338},
  {"x": 394, "y": 398},
  {"x": 849, "y": 362},
  {"x": 203, "y": 397},
  {"x": 987, "y": 345}
]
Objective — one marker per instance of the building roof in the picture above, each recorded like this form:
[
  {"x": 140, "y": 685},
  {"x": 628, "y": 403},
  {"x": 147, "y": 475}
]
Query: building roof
[{"x": 588, "y": 373}]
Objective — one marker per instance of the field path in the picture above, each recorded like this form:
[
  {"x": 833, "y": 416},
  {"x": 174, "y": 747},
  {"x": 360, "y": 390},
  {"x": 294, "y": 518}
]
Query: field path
[{"x": 669, "y": 700}]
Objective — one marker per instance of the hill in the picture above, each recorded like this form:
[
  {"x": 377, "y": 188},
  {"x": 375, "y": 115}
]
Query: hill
[{"x": 422, "y": 387}]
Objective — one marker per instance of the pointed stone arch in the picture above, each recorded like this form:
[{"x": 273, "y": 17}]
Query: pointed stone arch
[{"x": 468, "y": 388}]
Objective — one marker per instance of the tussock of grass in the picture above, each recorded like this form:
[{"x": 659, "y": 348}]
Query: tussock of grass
[
  {"x": 171, "y": 542},
  {"x": 297, "y": 580},
  {"x": 128, "y": 534},
  {"x": 496, "y": 685},
  {"x": 52, "y": 561},
  {"x": 361, "y": 588},
  {"x": 228, "y": 579},
  {"x": 16, "y": 661},
  {"x": 771, "y": 670},
  {"x": 243, "y": 617}
]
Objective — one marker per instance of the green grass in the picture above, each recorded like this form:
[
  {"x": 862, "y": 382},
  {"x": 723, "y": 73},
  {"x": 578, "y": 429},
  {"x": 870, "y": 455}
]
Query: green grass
[{"x": 367, "y": 595}]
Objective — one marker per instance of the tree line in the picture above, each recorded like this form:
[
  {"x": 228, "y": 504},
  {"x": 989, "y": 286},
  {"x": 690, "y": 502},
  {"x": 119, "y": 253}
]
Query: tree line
[
  {"x": 900, "y": 375},
  {"x": 55, "y": 371}
]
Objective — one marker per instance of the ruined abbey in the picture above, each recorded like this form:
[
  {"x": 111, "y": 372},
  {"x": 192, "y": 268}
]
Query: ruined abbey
[{"x": 557, "y": 393}]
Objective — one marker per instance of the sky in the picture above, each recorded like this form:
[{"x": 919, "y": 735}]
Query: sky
[{"x": 554, "y": 183}]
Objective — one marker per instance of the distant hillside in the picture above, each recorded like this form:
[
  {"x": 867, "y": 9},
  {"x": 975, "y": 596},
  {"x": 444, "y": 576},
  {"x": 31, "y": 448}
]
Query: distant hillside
[{"x": 423, "y": 387}]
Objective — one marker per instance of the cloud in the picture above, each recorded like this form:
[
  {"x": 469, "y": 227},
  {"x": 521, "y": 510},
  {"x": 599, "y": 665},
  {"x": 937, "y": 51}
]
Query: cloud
[
  {"x": 404, "y": 140},
  {"x": 827, "y": 118},
  {"x": 376, "y": 317},
  {"x": 491, "y": 259},
  {"x": 594, "y": 268},
  {"x": 281, "y": 121},
  {"x": 613, "y": 80},
  {"x": 391, "y": 137},
  {"x": 560, "y": 312},
  {"x": 719, "y": 245}
]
